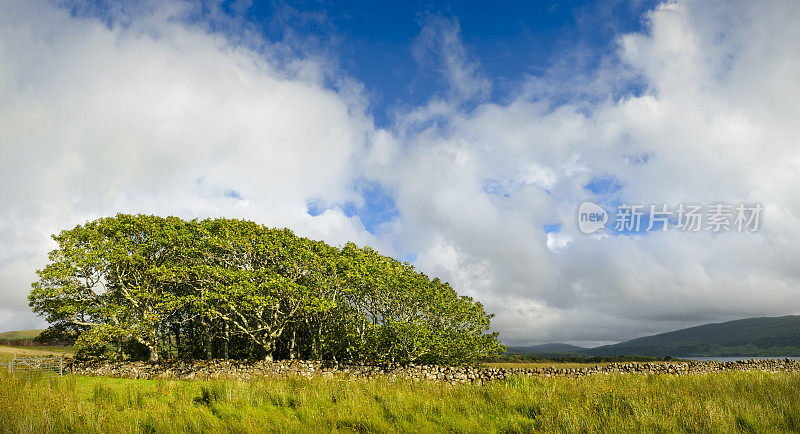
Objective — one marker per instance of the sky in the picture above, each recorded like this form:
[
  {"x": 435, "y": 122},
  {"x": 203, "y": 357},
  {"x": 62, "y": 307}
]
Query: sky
[{"x": 458, "y": 136}]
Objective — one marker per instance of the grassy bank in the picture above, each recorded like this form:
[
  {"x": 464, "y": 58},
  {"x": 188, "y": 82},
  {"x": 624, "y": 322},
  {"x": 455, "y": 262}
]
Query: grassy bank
[
  {"x": 548, "y": 364},
  {"x": 7, "y": 353},
  {"x": 735, "y": 401}
]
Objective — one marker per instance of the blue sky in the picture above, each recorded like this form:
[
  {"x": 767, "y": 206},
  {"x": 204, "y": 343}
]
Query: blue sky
[
  {"x": 460, "y": 136},
  {"x": 374, "y": 42},
  {"x": 510, "y": 40}
]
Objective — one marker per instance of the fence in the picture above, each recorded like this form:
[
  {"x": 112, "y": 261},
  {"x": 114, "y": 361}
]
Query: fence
[{"x": 37, "y": 365}]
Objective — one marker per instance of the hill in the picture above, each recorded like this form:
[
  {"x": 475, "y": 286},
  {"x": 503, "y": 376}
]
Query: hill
[
  {"x": 766, "y": 336},
  {"x": 547, "y": 350},
  {"x": 20, "y": 334}
]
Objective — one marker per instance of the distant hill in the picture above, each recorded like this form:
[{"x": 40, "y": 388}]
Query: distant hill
[
  {"x": 21, "y": 334},
  {"x": 547, "y": 350},
  {"x": 767, "y": 336}
]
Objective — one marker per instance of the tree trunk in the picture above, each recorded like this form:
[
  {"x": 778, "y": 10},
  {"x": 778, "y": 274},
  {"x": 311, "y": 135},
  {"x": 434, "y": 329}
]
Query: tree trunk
[
  {"x": 269, "y": 347},
  {"x": 225, "y": 342},
  {"x": 163, "y": 344},
  {"x": 152, "y": 344},
  {"x": 191, "y": 339},
  {"x": 318, "y": 342},
  {"x": 154, "y": 356},
  {"x": 208, "y": 340},
  {"x": 176, "y": 331},
  {"x": 292, "y": 353}
]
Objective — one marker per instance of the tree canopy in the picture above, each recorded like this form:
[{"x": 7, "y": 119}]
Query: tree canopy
[{"x": 139, "y": 286}]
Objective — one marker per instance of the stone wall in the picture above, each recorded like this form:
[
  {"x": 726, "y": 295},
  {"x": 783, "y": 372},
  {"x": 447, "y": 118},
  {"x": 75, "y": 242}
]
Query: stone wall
[{"x": 244, "y": 370}]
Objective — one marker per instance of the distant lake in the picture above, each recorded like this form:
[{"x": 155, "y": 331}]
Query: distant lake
[{"x": 735, "y": 358}]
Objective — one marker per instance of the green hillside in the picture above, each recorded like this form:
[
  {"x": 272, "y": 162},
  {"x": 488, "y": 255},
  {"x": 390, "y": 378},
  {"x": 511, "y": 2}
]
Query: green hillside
[
  {"x": 766, "y": 336},
  {"x": 548, "y": 350},
  {"x": 21, "y": 334}
]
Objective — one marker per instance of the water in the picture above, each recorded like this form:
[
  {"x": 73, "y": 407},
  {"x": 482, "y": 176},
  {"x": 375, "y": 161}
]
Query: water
[{"x": 735, "y": 358}]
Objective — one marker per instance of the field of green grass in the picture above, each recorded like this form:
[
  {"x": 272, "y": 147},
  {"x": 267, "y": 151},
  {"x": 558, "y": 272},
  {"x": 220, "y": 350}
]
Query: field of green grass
[
  {"x": 7, "y": 353},
  {"x": 721, "y": 402},
  {"x": 528, "y": 365},
  {"x": 21, "y": 334}
]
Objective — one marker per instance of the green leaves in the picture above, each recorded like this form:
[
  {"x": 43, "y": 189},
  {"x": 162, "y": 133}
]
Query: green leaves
[{"x": 233, "y": 288}]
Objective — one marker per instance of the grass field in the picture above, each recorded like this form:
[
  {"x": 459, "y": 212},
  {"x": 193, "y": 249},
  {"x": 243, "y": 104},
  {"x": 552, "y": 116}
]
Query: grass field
[
  {"x": 21, "y": 334},
  {"x": 6, "y": 353},
  {"x": 722, "y": 402},
  {"x": 527, "y": 365}
]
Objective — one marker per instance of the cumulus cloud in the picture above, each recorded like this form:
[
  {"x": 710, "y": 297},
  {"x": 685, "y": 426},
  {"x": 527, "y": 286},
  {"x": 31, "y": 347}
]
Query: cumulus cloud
[
  {"x": 715, "y": 123},
  {"x": 163, "y": 116},
  {"x": 159, "y": 116}
]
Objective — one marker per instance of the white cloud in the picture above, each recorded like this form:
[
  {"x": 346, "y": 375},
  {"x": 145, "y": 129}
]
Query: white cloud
[
  {"x": 160, "y": 116},
  {"x": 439, "y": 46},
  {"x": 717, "y": 122}
]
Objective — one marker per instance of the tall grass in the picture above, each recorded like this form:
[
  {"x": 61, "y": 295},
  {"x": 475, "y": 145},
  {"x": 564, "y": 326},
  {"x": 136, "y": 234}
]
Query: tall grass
[{"x": 720, "y": 402}]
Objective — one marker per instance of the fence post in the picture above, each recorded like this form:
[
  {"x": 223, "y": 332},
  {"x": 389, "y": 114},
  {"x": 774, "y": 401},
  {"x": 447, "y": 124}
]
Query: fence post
[
  {"x": 61, "y": 366},
  {"x": 11, "y": 364}
]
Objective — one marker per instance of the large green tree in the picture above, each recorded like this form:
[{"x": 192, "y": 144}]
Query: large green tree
[{"x": 147, "y": 286}]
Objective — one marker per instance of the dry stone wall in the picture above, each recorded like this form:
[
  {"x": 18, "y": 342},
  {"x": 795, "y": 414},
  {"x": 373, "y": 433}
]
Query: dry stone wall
[{"x": 244, "y": 370}]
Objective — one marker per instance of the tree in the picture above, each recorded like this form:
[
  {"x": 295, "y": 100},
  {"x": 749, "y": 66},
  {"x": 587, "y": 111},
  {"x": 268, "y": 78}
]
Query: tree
[
  {"x": 129, "y": 286},
  {"x": 101, "y": 281}
]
